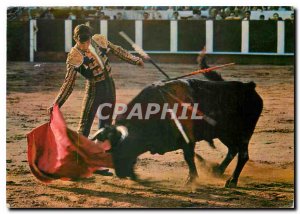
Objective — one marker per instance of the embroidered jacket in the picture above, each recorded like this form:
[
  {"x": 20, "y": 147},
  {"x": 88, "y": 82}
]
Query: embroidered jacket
[{"x": 93, "y": 64}]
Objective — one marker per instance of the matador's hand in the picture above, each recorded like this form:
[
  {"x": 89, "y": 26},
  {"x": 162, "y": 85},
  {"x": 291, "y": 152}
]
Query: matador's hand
[
  {"x": 49, "y": 110},
  {"x": 141, "y": 63}
]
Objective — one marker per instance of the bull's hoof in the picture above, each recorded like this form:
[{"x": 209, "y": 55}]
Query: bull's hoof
[
  {"x": 134, "y": 177},
  {"x": 217, "y": 172},
  {"x": 190, "y": 180},
  {"x": 231, "y": 183},
  {"x": 189, "y": 183}
]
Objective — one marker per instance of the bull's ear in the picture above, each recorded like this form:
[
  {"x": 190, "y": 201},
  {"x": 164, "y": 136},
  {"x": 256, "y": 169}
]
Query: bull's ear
[{"x": 95, "y": 135}]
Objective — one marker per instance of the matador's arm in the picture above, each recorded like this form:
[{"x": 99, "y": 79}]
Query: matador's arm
[
  {"x": 74, "y": 61},
  {"x": 124, "y": 54},
  {"x": 67, "y": 87}
]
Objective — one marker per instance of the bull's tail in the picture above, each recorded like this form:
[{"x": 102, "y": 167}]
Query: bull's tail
[{"x": 212, "y": 75}]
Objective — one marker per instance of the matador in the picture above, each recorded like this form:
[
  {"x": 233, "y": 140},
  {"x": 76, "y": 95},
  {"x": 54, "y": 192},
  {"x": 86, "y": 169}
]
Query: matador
[{"x": 89, "y": 58}]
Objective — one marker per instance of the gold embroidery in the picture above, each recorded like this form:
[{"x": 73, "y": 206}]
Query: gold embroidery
[
  {"x": 100, "y": 40},
  {"x": 96, "y": 55},
  {"x": 123, "y": 54},
  {"x": 75, "y": 58},
  {"x": 94, "y": 66},
  {"x": 67, "y": 87},
  {"x": 90, "y": 92},
  {"x": 100, "y": 78}
]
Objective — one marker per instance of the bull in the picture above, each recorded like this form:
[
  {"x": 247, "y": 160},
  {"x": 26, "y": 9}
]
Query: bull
[{"x": 235, "y": 106}]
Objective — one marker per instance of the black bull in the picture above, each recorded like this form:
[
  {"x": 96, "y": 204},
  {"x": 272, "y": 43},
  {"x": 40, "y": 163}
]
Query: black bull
[{"x": 235, "y": 107}]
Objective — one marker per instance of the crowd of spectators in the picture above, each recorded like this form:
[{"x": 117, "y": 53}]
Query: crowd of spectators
[{"x": 150, "y": 13}]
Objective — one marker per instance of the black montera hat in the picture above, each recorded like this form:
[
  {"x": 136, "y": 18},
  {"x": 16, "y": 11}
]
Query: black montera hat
[{"x": 82, "y": 33}]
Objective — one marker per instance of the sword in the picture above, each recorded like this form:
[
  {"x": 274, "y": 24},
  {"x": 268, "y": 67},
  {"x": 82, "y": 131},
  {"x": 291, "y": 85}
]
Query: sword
[{"x": 140, "y": 51}]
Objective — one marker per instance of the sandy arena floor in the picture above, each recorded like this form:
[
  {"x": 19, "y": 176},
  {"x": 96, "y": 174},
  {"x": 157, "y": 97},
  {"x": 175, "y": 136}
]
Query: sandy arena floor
[{"x": 267, "y": 180}]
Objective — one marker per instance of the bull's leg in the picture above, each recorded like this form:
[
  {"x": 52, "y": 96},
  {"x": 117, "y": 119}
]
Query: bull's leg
[
  {"x": 243, "y": 157},
  {"x": 200, "y": 158},
  {"x": 220, "y": 169},
  {"x": 188, "y": 152},
  {"x": 132, "y": 175}
]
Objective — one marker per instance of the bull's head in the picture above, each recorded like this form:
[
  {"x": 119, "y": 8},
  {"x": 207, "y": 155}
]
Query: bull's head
[
  {"x": 124, "y": 159},
  {"x": 114, "y": 134}
]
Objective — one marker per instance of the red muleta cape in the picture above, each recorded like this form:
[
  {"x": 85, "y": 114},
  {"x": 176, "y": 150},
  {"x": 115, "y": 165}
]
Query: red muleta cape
[{"x": 56, "y": 152}]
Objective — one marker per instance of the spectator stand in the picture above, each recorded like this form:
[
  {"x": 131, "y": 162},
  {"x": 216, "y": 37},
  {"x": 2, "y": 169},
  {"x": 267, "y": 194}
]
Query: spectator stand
[{"x": 221, "y": 37}]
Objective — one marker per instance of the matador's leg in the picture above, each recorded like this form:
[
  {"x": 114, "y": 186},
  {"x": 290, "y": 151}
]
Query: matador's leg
[
  {"x": 89, "y": 109},
  {"x": 108, "y": 95}
]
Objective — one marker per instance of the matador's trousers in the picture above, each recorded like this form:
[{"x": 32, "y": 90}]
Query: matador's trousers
[{"x": 97, "y": 93}]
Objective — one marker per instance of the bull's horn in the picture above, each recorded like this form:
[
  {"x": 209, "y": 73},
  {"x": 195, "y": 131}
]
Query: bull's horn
[
  {"x": 124, "y": 132},
  {"x": 94, "y": 136}
]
